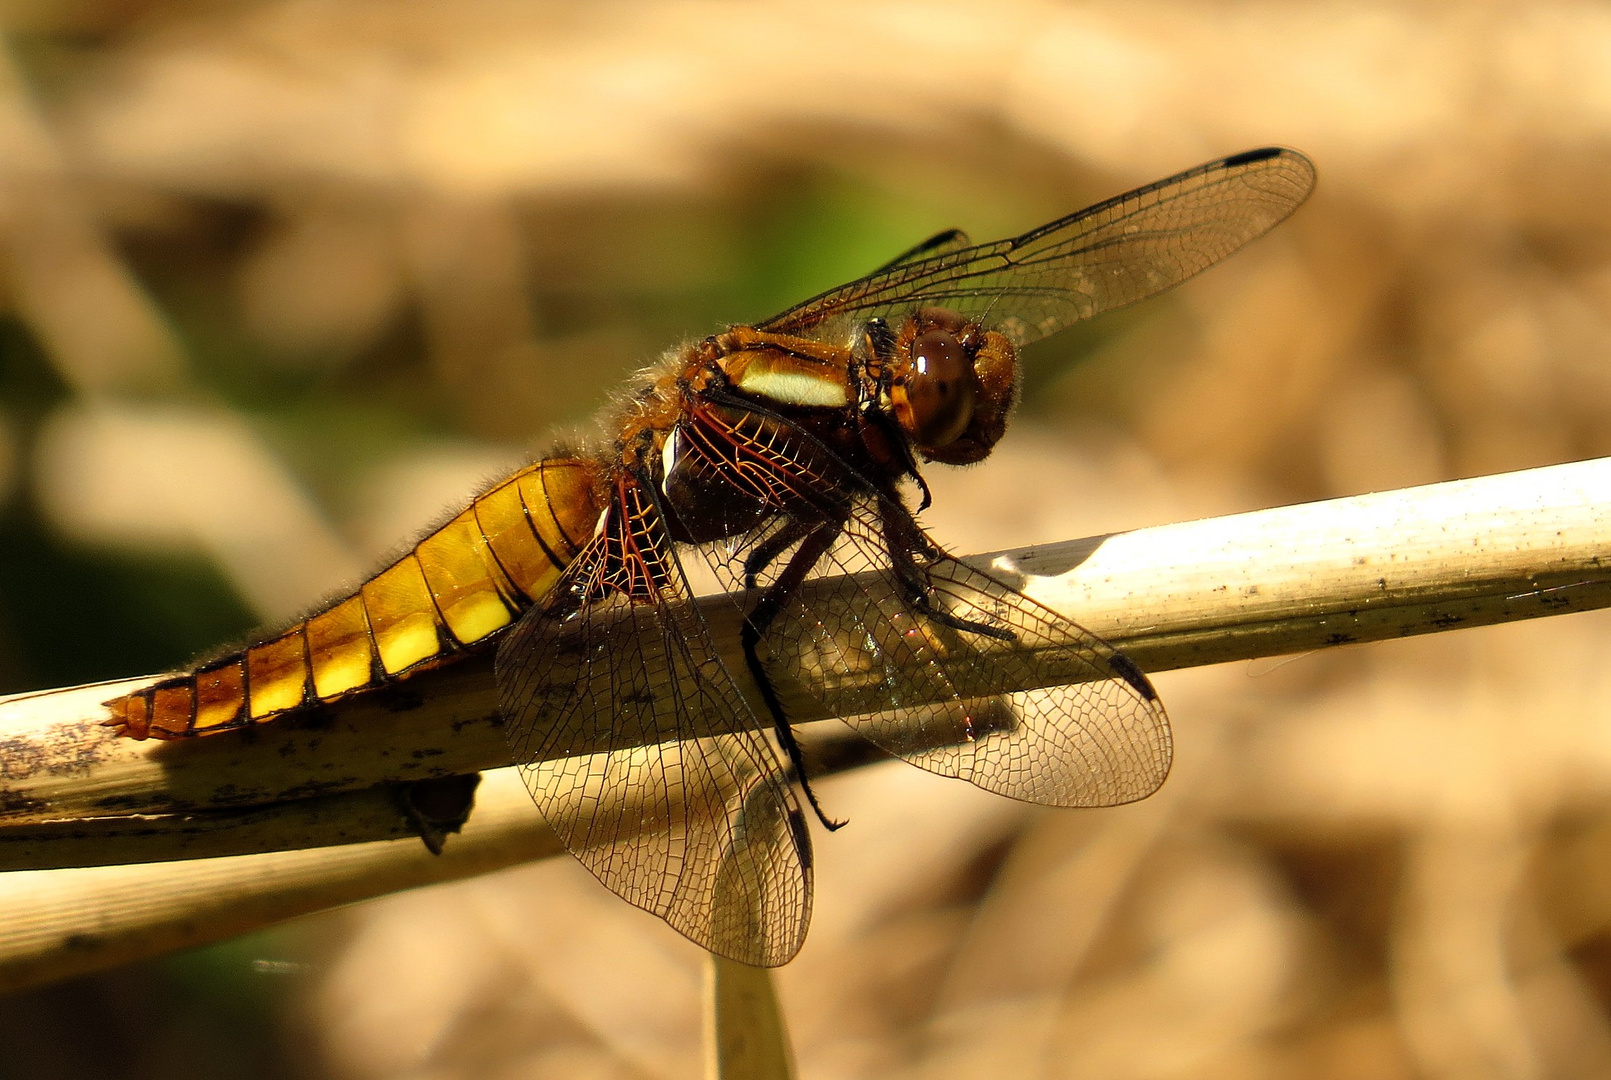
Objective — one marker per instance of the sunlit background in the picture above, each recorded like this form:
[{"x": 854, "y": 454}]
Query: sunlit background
[{"x": 283, "y": 280}]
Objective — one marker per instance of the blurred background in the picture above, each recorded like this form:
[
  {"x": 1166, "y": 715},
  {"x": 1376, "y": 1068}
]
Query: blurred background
[{"x": 281, "y": 280}]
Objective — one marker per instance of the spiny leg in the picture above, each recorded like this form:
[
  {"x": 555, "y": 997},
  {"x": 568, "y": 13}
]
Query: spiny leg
[
  {"x": 903, "y": 540},
  {"x": 814, "y": 546},
  {"x": 767, "y": 551}
]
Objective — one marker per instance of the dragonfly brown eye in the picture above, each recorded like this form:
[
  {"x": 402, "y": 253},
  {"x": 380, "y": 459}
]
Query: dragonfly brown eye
[{"x": 939, "y": 393}]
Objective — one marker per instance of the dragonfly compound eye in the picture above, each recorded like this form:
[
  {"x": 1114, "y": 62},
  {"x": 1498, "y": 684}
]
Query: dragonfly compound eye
[{"x": 934, "y": 404}]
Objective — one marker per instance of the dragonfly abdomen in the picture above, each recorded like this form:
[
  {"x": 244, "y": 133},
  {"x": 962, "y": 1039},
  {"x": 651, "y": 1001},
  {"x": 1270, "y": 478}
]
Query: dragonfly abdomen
[{"x": 452, "y": 590}]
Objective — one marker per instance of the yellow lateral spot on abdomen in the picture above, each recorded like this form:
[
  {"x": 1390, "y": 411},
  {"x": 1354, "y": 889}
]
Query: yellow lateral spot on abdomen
[
  {"x": 220, "y": 696},
  {"x": 338, "y": 645},
  {"x": 276, "y": 674},
  {"x": 402, "y": 616},
  {"x": 476, "y": 616},
  {"x": 467, "y": 589}
]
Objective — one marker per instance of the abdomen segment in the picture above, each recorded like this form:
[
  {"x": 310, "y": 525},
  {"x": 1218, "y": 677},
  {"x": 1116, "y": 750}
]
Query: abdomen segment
[{"x": 455, "y": 588}]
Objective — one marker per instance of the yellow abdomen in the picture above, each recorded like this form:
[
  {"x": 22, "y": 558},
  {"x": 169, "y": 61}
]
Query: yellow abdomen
[{"x": 454, "y": 589}]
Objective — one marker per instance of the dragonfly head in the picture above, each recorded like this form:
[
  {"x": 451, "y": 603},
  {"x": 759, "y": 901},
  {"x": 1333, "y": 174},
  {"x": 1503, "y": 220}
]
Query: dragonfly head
[{"x": 952, "y": 385}]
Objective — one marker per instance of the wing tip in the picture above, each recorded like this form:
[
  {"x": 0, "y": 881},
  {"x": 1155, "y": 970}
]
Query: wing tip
[
  {"x": 1295, "y": 159},
  {"x": 1126, "y": 669},
  {"x": 1263, "y": 153}
]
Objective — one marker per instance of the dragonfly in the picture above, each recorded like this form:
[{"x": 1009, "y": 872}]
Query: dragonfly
[{"x": 784, "y": 457}]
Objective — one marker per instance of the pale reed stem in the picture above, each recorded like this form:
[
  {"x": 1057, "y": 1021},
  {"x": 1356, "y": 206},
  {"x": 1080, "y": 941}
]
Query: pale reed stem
[{"x": 303, "y": 825}]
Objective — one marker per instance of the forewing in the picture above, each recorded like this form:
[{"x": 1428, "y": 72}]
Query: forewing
[
  {"x": 644, "y": 758},
  {"x": 1029, "y": 705},
  {"x": 1109, "y": 255},
  {"x": 939, "y": 244}
]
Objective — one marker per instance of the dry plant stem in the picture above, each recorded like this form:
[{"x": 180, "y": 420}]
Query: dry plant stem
[
  {"x": 60, "y": 923},
  {"x": 1259, "y": 584},
  {"x": 745, "y": 1037},
  {"x": 1372, "y": 567},
  {"x": 348, "y": 818},
  {"x": 65, "y": 922}
]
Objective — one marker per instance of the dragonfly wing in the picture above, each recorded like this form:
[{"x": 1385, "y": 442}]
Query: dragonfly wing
[
  {"x": 645, "y": 759},
  {"x": 1106, "y": 256},
  {"x": 945, "y": 688},
  {"x": 938, "y": 244}
]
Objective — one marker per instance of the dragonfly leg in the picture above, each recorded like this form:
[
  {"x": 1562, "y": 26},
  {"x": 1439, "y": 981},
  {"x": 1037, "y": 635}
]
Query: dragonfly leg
[
  {"x": 815, "y": 544},
  {"x": 903, "y": 540},
  {"x": 919, "y": 600},
  {"x": 767, "y": 551}
]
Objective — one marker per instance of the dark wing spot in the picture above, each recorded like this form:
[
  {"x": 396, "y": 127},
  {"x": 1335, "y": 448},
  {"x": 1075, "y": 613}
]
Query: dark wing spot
[
  {"x": 800, "y": 836},
  {"x": 1131, "y": 674},
  {"x": 1248, "y": 156}
]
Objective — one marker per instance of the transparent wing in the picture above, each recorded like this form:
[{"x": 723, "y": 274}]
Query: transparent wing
[
  {"x": 932, "y": 660},
  {"x": 938, "y": 244},
  {"x": 644, "y": 758},
  {"x": 941, "y": 682},
  {"x": 1109, "y": 255}
]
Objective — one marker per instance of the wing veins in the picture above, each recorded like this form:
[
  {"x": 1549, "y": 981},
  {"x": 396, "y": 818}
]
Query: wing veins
[
  {"x": 1224, "y": 202},
  {"x": 712, "y": 821}
]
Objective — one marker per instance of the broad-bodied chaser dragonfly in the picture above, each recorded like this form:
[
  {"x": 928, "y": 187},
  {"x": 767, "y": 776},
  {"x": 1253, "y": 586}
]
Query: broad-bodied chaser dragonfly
[{"x": 775, "y": 453}]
